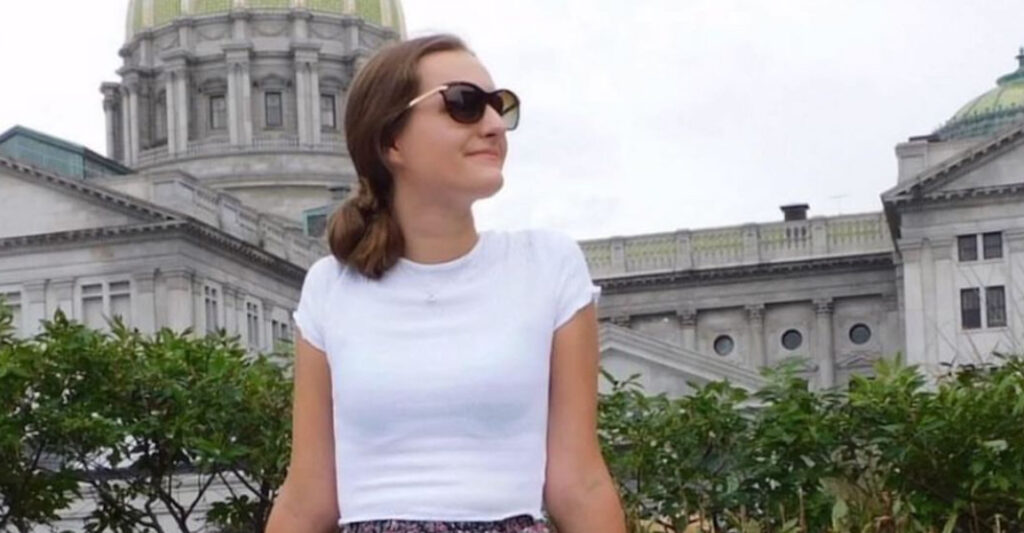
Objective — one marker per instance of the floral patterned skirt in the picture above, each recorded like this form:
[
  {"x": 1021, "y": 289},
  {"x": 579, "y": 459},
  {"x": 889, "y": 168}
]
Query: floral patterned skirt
[{"x": 514, "y": 524}]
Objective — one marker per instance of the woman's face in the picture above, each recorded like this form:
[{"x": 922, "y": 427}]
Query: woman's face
[{"x": 441, "y": 160}]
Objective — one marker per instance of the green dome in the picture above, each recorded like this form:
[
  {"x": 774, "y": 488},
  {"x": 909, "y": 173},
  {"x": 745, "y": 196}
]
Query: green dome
[
  {"x": 146, "y": 14},
  {"x": 992, "y": 111}
]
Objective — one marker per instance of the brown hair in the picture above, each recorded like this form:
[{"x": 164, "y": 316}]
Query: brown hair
[{"x": 363, "y": 231}]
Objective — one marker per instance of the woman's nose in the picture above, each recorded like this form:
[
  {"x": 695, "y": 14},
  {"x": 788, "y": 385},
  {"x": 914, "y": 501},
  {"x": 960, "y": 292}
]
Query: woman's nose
[{"x": 492, "y": 123}]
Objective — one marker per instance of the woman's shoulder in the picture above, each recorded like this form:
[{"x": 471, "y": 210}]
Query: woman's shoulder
[
  {"x": 325, "y": 270},
  {"x": 542, "y": 240}
]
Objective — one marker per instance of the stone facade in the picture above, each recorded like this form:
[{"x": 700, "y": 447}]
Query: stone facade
[{"x": 247, "y": 100}]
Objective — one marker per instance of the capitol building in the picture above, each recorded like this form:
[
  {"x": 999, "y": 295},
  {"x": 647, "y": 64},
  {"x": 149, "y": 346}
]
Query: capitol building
[{"x": 225, "y": 154}]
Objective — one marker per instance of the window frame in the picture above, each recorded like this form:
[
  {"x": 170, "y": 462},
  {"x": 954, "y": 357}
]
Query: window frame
[
  {"x": 105, "y": 294},
  {"x": 218, "y": 307},
  {"x": 267, "y": 108},
  {"x": 990, "y": 291},
  {"x": 18, "y": 307},
  {"x": 985, "y": 245},
  {"x": 964, "y": 293},
  {"x": 212, "y": 116},
  {"x": 333, "y": 109},
  {"x": 961, "y": 248},
  {"x": 254, "y": 339}
]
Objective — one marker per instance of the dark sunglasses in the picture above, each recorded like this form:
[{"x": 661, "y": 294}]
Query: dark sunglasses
[{"x": 466, "y": 103}]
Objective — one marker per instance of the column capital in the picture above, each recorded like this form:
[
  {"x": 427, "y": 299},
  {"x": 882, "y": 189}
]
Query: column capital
[
  {"x": 824, "y": 306},
  {"x": 755, "y": 311},
  {"x": 144, "y": 281}
]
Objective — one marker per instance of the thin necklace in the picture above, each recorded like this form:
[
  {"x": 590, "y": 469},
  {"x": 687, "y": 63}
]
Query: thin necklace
[{"x": 433, "y": 290}]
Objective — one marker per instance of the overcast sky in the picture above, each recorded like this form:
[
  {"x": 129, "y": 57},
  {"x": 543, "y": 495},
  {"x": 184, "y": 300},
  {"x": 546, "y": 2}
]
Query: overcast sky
[{"x": 638, "y": 115}]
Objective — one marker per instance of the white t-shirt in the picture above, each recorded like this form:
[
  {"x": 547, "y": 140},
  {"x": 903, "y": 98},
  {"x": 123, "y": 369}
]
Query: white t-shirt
[{"x": 440, "y": 375}]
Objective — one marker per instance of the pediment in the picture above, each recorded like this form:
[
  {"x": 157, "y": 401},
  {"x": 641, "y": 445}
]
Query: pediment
[
  {"x": 664, "y": 367},
  {"x": 35, "y": 203},
  {"x": 993, "y": 166}
]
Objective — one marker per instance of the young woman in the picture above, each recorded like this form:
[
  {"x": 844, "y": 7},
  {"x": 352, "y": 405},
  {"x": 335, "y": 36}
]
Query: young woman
[{"x": 445, "y": 378}]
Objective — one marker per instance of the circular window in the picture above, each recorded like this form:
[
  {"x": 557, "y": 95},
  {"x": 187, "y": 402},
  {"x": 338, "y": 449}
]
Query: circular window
[
  {"x": 724, "y": 345},
  {"x": 792, "y": 339},
  {"x": 860, "y": 334}
]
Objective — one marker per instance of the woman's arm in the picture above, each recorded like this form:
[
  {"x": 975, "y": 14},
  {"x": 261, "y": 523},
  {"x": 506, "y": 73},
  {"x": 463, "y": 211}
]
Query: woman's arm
[
  {"x": 579, "y": 493},
  {"x": 307, "y": 500}
]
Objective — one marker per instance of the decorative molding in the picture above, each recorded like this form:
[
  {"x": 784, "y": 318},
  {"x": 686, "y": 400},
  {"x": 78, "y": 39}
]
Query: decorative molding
[
  {"x": 687, "y": 316},
  {"x": 824, "y": 306},
  {"x": 676, "y": 357},
  {"x": 838, "y": 264}
]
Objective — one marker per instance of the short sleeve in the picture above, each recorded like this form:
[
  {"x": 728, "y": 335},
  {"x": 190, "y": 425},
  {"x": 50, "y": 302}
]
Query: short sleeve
[
  {"x": 574, "y": 288},
  {"x": 309, "y": 314}
]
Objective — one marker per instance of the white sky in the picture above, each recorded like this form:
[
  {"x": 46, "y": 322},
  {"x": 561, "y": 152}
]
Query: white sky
[{"x": 638, "y": 115}]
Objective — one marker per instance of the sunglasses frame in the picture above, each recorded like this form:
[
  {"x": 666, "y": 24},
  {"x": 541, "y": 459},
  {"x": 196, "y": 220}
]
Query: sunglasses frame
[{"x": 489, "y": 97}]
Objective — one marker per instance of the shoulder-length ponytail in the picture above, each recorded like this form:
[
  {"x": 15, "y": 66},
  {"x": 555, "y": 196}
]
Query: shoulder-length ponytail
[{"x": 363, "y": 232}]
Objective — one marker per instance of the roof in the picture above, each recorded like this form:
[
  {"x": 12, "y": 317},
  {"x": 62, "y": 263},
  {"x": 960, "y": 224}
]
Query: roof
[
  {"x": 991, "y": 112},
  {"x": 927, "y": 186},
  {"x": 155, "y": 219},
  {"x": 57, "y": 155},
  {"x": 149, "y": 14}
]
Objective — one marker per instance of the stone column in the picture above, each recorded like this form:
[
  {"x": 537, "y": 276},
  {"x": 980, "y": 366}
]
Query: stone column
[
  {"x": 144, "y": 306},
  {"x": 307, "y": 106},
  {"x": 688, "y": 328},
  {"x": 180, "y": 299},
  {"x": 177, "y": 101},
  {"x": 1015, "y": 291},
  {"x": 684, "y": 252},
  {"x": 111, "y": 107},
  {"x": 300, "y": 23},
  {"x": 239, "y": 93},
  {"x": 751, "y": 244},
  {"x": 266, "y": 329},
  {"x": 64, "y": 295},
  {"x": 824, "y": 348},
  {"x": 231, "y": 310},
  {"x": 33, "y": 308},
  {"x": 136, "y": 123},
  {"x": 130, "y": 116},
  {"x": 755, "y": 319}
]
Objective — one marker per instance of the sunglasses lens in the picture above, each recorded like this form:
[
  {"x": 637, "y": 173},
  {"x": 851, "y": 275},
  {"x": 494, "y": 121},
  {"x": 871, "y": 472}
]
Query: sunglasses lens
[
  {"x": 509, "y": 107},
  {"x": 465, "y": 103}
]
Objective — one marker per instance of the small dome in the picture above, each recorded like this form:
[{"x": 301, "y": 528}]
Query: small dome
[
  {"x": 992, "y": 111},
  {"x": 146, "y": 14}
]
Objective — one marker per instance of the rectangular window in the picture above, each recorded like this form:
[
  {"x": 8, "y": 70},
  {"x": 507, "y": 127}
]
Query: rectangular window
[
  {"x": 218, "y": 112},
  {"x": 160, "y": 120},
  {"x": 102, "y": 301},
  {"x": 211, "y": 301},
  {"x": 252, "y": 320},
  {"x": 968, "y": 245},
  {"x": 13, "y": 302},
  {"x": 92, "y": 306},
  {"x": 993, "y": 245},
  {"x": 120, "y": 300},
  {"x": 995, "y": 307},
  {"x": 328, "y": 114},
  {"x": 280, "y": 332},
  {"x": 970, "y": 308},
  {"x": 272, "y": 108}
]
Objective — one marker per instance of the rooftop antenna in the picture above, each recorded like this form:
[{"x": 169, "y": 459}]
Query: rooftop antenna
[{"x": 839, "y": 202}]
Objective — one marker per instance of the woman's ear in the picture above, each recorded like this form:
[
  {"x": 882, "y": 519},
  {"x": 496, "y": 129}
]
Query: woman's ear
[{"x": 393, "y": 155}]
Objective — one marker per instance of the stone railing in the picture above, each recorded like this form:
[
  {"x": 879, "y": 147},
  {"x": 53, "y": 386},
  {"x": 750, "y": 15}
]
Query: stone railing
[
  {"x": 221, "y": 210},
  {"x": 738, "y": 245},
  {"x": 155, "y": 156}
]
